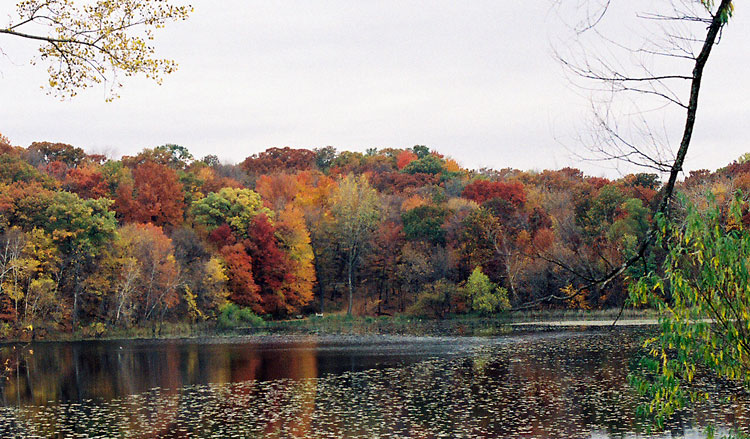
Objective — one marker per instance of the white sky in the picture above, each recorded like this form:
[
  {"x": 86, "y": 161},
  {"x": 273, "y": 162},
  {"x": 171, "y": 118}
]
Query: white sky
[{"x": 475, "y": 80}]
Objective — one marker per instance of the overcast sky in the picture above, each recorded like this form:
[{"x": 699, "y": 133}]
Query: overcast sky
[{"x": 474, "y": 80}]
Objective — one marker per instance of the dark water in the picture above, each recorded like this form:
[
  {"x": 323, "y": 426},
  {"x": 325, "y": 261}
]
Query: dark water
[{"x": 548, "y": 385}]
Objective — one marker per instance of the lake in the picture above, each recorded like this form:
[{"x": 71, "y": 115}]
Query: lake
[{"x": 559, "y": 384}]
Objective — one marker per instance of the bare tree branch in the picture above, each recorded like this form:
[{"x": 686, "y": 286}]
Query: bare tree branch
[{"x": 717, "y": 22}]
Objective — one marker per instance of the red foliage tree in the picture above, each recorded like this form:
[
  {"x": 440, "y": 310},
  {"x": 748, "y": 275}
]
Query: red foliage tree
[
  {"x": 277, "y": 189},
  {"x": 87, "y": 182},
  {"x": 397, "y": 182},
  {"x": 5, "y": 146},
  {"x": 279, "y": 160},
  {"x": 404, "y": 158},
  {"x": 735, "y": 168},
  {"x": 156, "y": 196},
  {"x": 597, "y": 182},
  {"x": 698, "y": 177},
  {"x": 483, "y": 190},
  {"x": 57, "y": 169},
  {"x": 8, "y": 312},
  {"x": 272, "y": 268},
  {"x": 211, "y": 181},
  {"x": 222, "y": 236},
  {"x": 561, "y": 180},
  {"x": 241, "y": 284}
]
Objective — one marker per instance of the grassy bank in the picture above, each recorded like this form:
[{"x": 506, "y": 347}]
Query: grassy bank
[
  {"x": 332, "y": 324},
  {"x": 578, "y": 314},
  {"x": 461, "y": 325},
  {"x": 167, "y": 330}
]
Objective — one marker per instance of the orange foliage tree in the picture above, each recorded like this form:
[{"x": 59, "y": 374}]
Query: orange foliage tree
[
  {"x": 87, "y": 182},
  {"x": 404, "y": 158},
  {"x": 239, "y": 269},
  {"x": 155, "y": 196}
]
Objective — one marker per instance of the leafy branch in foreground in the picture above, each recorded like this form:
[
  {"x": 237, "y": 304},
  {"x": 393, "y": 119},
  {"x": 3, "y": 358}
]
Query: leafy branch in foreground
[
  {"x": 703, "y": 298},
  {"x": 93, "y": 43}
]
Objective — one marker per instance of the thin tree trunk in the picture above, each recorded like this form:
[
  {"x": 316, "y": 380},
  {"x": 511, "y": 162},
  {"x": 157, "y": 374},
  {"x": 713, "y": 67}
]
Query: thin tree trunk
[
  {"x": 321, "y": 293},
  {"x": 351, "y": 286},
  {"x": 692, "y": 109},
  {"x": 75, "y": 300}
]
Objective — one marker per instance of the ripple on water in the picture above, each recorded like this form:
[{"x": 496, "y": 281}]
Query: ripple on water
[{"x": 535, "y": 387}]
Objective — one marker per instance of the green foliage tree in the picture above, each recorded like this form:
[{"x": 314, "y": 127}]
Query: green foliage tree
[
  {"x": 631, "y": 227},
  {"x": 596, "y": 215},
  {"x": 232, "y": 316},
  {"x": 425, "y": 223},
  {"x": 211, "y": 160},
  {"x": 356, "y": 211},
  {"x": 174, "y": 156},
  {"x": 80, "y": 229},
  {"x": 421, "y": 151},
  {"x": 15, "y": 169},
  {"x": 485, "y": 296},
  {"x": 324, "y": 157},
  {"x": 231, "y": 206},
  {"x": 48, "y": 152},
  {"x": 428, "y": 164}
]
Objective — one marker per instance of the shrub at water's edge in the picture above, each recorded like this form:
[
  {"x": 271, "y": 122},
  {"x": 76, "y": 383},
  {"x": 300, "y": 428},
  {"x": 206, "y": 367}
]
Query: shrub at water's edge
[{"x": 232, "y": 316}]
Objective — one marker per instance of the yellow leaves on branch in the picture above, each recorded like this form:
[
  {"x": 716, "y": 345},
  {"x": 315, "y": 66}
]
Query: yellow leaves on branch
[
  {"x": 576, "y": 299},
  {"x": 96, "y": 42}
]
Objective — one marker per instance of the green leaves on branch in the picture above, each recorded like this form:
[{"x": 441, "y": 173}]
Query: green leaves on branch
[{"x": 703, "y": 296}]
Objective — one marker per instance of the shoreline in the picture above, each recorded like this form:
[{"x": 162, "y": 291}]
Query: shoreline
[
  {"x": 336, "y": 324},
  {"x": 591, "y": 323}
]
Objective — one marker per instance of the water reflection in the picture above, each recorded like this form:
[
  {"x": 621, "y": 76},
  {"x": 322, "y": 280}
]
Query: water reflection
[
  {"x": 563, "y": 385},
  {"x": 103, "y": 370}
]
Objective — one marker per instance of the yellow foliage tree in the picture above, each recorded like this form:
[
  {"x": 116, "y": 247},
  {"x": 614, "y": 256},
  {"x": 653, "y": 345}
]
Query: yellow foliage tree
[
  {"x": 95, "y": 42},
  {"x": 296, "y": 240},
  {"x": 451, "y": 165}
]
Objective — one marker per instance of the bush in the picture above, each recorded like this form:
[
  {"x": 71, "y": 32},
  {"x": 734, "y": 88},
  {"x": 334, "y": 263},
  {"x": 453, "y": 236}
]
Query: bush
[
  {"x": 6, "y": 330},
  {"x": 232, "y": 316},
  {"x": 436, "y": 299},
  {"x": 485, "y": 296},
  {"x": 96, "y": 330}
]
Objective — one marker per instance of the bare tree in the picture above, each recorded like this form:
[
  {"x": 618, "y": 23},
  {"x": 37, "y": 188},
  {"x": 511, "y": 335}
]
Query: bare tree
[
  {"x": 684, "y": 53},
  {"x": 12, "y": 243}
]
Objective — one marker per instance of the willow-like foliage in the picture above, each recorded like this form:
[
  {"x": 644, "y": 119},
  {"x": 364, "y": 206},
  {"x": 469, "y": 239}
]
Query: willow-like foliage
[{"x": 703, "y": 298}]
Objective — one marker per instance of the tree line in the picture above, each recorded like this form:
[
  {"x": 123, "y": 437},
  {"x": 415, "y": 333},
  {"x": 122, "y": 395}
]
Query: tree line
[{"x": 162, "y": 236}]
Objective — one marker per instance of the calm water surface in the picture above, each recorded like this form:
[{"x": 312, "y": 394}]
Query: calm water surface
[{"x": 543, "y": 385}]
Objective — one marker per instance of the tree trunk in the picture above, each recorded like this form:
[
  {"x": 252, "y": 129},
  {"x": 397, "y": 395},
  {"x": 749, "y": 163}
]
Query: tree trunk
[
  {"x": 351, "y": 286},
  {"x": 321, "y": 293},
  {"x": 75, "y": 300}
]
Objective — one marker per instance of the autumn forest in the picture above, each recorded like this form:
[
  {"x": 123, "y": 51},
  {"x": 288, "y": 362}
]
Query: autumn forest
[{"x": 89, "y": 241}]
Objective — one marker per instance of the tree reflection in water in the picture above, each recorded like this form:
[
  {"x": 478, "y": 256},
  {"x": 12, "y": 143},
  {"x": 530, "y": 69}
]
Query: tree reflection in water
[{"x": 565, "y": 385}]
